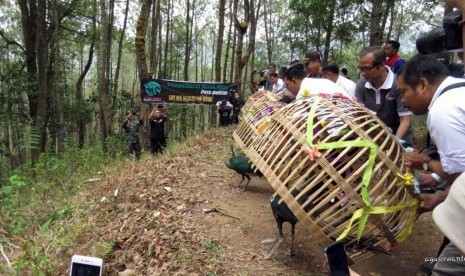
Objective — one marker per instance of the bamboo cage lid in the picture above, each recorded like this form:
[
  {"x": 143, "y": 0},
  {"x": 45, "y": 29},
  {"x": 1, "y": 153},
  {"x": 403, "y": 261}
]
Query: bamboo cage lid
[{"x": 338, "y": 168}]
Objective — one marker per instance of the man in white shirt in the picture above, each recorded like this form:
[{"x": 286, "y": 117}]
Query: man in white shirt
[
  {"x": 426, "y": 87},
  {"x": 278, "y": 84},
  {"x": 330, "y": 71}
]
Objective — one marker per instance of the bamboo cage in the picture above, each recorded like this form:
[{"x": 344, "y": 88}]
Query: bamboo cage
[{"x": 331, "y": 160}]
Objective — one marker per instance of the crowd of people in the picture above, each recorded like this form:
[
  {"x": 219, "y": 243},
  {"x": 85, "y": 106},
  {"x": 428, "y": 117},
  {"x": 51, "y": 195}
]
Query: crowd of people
[
  {"x": 376, "y": 89},
  {"x": 394, "y": 90}
]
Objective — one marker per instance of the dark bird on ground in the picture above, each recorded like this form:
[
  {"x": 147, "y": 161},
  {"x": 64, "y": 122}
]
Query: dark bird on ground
[
  {"x": 282, "y": 213},
  {"x": 242, "y": 165}
]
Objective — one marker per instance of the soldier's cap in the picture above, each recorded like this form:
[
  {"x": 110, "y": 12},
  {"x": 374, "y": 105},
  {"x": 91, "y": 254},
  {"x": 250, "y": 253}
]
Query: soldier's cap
[{"x": 311, "y": 55}]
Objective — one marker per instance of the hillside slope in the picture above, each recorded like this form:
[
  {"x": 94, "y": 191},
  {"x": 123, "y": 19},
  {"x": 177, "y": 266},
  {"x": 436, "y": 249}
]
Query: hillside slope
[{"x": 181, "y": 214}]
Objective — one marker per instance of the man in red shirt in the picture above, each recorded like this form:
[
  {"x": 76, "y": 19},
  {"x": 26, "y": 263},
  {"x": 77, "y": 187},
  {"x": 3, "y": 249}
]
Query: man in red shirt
[{"x": 391, "y": 47}]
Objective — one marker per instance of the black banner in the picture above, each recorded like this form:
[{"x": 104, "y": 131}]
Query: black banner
[{"x": 180, "y": 92}]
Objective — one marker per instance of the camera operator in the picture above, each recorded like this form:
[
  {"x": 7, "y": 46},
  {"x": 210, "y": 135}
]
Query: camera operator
[
  {"x": 225, "y": 114},
  {"x": 158, "y": 118},
  {"x": 131, "y": 125}
]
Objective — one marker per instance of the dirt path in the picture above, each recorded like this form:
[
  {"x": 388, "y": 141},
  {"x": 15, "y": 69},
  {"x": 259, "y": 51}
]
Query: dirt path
[
  {"x": 246, "y": 219},
  {"x": 158, "y": 224},
  {"x": 241, "y": 238}
]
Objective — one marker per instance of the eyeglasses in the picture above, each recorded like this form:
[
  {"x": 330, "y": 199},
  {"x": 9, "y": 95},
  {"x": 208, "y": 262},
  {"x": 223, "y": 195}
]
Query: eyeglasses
[{"x": 366, "y": 68}]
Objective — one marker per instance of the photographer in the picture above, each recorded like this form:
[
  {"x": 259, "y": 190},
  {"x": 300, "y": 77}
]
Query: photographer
[
  {"x": 225, "y": 114},
  {"x": 158, "y": 118},
  {"x": 237, "y": 103},
  {"x": 131, "y": 127}
]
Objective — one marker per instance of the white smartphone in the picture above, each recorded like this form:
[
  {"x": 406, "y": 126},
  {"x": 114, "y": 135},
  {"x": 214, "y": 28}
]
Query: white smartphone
[{"x": 86, "y": 266}]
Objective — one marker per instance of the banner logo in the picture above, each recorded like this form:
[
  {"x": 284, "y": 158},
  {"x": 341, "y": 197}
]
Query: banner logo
[{"x": 152, "y": 88}]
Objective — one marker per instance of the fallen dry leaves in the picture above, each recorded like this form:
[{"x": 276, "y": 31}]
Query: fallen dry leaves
[{"x": 145, "y": 213}]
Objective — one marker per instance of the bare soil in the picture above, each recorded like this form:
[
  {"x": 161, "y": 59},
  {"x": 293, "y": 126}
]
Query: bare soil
[
  {"x": 241, "y": 237},
  {"x": 160, "y": 222}
]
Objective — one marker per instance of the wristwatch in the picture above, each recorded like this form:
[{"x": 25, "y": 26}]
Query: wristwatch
[{"x": 425, "y": 164}]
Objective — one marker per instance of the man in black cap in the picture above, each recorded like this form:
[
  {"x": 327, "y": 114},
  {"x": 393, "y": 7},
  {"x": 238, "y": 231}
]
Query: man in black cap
[{"x": 312, "y": 63}]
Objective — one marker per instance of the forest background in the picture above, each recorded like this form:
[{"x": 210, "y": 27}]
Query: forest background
[{"x": 70, "y": 70}]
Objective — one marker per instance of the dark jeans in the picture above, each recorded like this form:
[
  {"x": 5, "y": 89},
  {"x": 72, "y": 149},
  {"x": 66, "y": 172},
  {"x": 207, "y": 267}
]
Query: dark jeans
[
  {"x": 235, "y": 118},
  {"x": 134, "y": 147},
  {"x": 157, "y": 145}
]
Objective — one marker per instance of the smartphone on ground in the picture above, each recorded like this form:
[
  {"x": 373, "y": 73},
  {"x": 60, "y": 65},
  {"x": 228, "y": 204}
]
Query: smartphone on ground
[{"x": 86, "y": 266}]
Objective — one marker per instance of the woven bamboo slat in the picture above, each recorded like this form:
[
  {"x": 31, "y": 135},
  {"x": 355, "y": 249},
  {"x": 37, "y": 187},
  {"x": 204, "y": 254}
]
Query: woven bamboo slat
[
  {"x": 256, "y": 112},
  {"x": 256, "y": 102},
  {"x": 328, "y": 158}
]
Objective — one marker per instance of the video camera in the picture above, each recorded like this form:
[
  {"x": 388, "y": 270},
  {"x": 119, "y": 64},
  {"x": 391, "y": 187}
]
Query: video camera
[{"x": 445, "y": 38}]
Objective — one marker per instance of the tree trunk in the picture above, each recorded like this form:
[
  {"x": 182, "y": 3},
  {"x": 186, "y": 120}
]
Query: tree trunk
[
  {"x": 140, "y": 41},
  {"x": 28, "y": 10},
  {"x": 250, "y": 16},
  {"x": 102, "y": 67},
  {"x": 212, "y": 66},
  {"x": 187, "y": 41},
  {"x": 58, "y": 120},
  {"x": 79, "y": 84},
  {"x": 268, "y": 29},
  {"x": 376, "y": 33},
  {"x": 167, "y": 35},
  {"x": 233, "y": 57},
  {"x": 400, "y": 22},
  {"x": 196, "y": 79},
  {"x": 228, "y": 44},
  {"x": 329, "y": 29},
  {"x": 219, "y": 46},
  {"x": 118, "y": 61},
  {"x": 154, "y": 56},
  {"x": 160, "y": 48},
  {"x": 171, "y": 51},
  {"x": 386, "y": 13},
  {"x": 42, "y": 60}
]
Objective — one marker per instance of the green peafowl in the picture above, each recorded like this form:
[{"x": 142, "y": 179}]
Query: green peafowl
[
  {"x": 282, "y": 213},
  {"x": 242, "y": 165}
]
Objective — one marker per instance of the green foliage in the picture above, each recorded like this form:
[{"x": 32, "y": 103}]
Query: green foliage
[
  {"x": 9, "y": 191},
  {"x": 34, "y": 262},
  {"x": 110, "y": 249},
  {"x": 50, "y": 168},
  {"x": 58, "y": 215},
  {"x": 34, "y": 201},
  {"x": 30, "y": 139},
  {"x": 17, "y": 225},
  {"x": 79, "y": 111},
  {"x": 213, "y": 247},
  {"x": 57, "y": 170},
  {"x": 116, "y": 146}
]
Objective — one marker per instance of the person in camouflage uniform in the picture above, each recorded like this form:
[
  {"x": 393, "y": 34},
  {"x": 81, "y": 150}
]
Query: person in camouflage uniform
[{"x": 131, "y": 127}]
